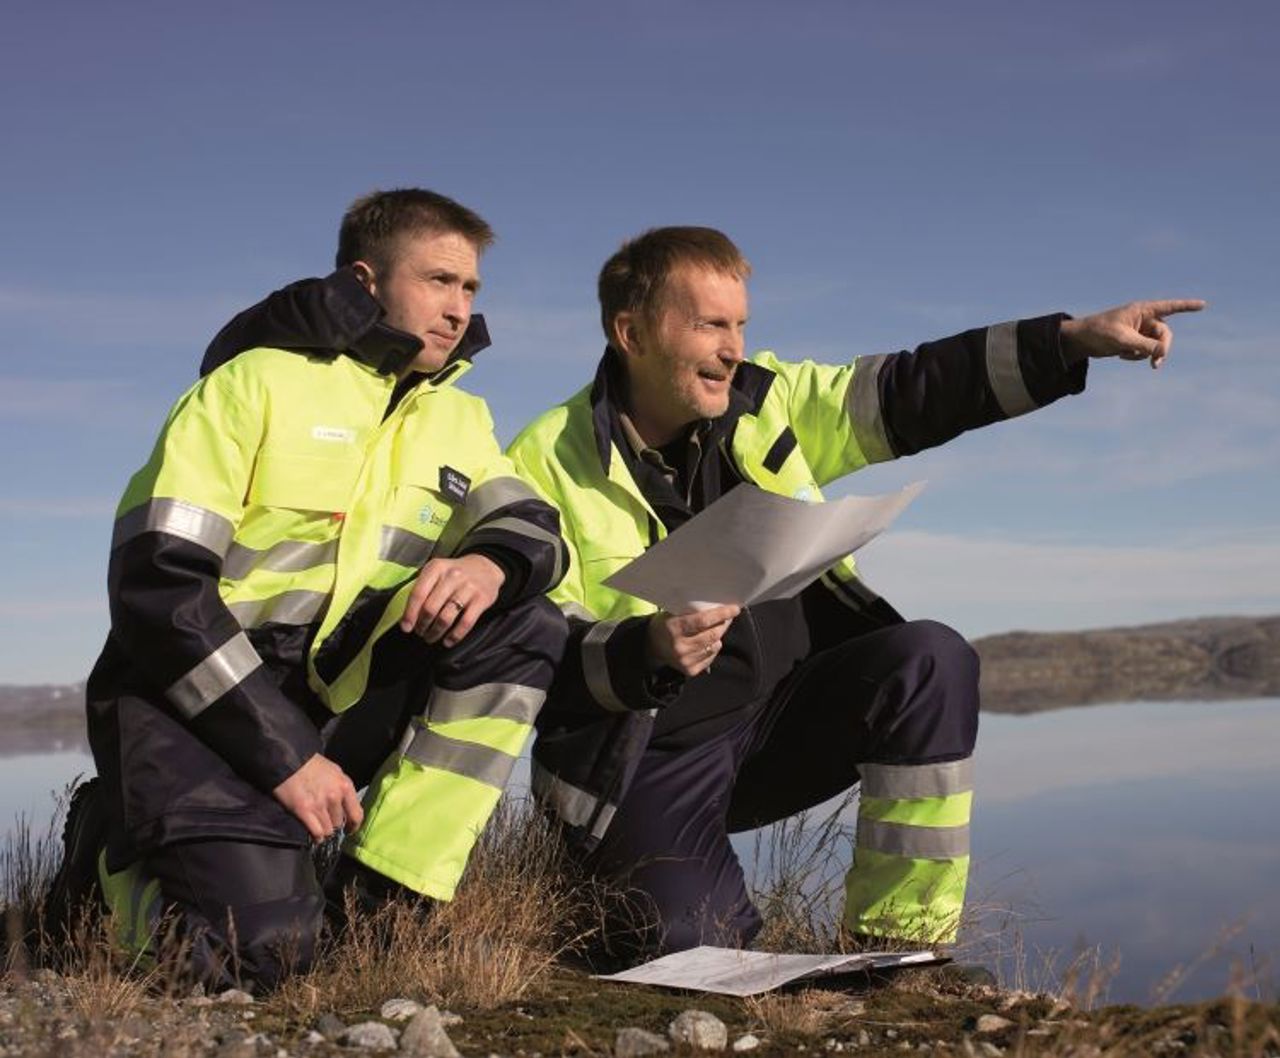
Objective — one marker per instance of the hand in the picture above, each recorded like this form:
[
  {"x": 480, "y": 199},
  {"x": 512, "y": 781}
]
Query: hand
[
  {"x": 322, "y": 797},
  {"x": 449, "y": 597},
  {"x": 1135, "y": 331},
  {"x": 689, "y": 642}
]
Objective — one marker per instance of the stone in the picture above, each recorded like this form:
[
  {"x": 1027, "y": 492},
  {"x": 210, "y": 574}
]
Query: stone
[
  {"x": 198, "y": 1001},
  {"x": 864, "y": 1038},
  {"x": 636, "y": 1043},
  {"x": 399, "y": 1009},
  {"x": 699, "y": 1030},
  {"x": 449, "y": 1019},
  {"x": 990, "y": 1050},
  {"x": 313, "y": 1037},
  {"x": 749, "y": 1042},
  {"x": 993, "y": 1023},
  {"x": 371, "y": 1035},
  {"x": 424, "y": 1036},
  {"x": 1017, "y": 998},
  {"x": 234, "y": 997},
  {"x": 330, "y": 1025}
]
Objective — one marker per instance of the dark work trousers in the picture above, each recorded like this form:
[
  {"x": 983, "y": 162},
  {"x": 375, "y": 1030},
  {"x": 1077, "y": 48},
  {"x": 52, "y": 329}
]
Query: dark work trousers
[
  {"x": 251, "y": 912},
  {"x": 905, "y": 694}
]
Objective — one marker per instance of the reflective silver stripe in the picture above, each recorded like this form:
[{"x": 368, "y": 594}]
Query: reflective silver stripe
[
  {"x": 221, "y": 671},
  {"x": 573, "y": 609},
  {"x": 595, "y": 665},
  {"x": 404, "y": 547},
  {"x": 862, "y": 401},
  {"x": 177, "y": 518},
  {"x": 499, "y": 701},
  {"x": 288, "y": 556},
  {"x": 482, "y": 501},
  {"x": 287, "y": 608},
  {"x": 1004, "y": 372},
  {"x": 917, "y": 780},
  {"x": 434, "y": 750},
  {"x": 534, "y": 532},
  {"x": 571, "y": 803},
  {"x": 918, "y": 843}
]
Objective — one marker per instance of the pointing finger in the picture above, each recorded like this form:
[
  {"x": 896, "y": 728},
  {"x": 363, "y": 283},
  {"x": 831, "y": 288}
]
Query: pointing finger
[{"x": 1171, "y": 306}]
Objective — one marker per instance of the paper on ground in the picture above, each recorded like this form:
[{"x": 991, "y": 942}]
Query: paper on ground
[
  {"x": 733, "y": 972},
  {"x": 751, "y": 546}
]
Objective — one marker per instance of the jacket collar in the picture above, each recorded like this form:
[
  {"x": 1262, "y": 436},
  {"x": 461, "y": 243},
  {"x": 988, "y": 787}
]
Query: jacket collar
[{"x": 750, "y": 384}]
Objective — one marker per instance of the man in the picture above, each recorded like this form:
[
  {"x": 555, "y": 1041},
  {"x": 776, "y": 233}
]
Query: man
[
  {"x": 320, "y": 530},
  {"x": 664, "y": 732}
]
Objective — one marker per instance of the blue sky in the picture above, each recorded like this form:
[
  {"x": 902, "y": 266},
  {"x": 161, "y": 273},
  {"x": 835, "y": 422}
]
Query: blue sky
[{"x": 894, "y": 174}]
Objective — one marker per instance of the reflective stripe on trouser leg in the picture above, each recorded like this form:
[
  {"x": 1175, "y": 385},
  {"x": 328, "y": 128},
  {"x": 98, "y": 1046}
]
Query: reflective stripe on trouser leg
[
  {"x": 911, "y": 860},
  {"x": 427, "y": 806},
  {"x": 134, "y": 901}
]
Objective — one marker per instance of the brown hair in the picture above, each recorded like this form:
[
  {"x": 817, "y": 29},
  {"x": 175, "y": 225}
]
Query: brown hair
[
  {"x": 374, "y": 224},
  {"x": 634, "y": 278}
]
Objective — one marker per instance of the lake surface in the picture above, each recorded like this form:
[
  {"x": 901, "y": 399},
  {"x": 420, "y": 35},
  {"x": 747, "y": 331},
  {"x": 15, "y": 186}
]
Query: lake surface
[{"x": 1149, "y": 832}]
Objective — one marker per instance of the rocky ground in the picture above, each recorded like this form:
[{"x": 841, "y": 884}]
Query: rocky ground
[{"x": 567, "y": 1013}]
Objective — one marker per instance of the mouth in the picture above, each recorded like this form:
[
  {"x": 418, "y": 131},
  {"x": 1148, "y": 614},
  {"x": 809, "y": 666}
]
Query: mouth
[
  {"x": 443, "y": 340},
  {"x": 716, "y": 377}
]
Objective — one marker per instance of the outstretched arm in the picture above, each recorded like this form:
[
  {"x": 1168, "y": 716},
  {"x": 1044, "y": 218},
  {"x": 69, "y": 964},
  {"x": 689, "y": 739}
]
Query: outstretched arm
[{"x": 1135, "y": 331}]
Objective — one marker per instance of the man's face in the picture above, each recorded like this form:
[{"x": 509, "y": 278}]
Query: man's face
[
  {"x": 681, "y": 361},
  {"x": 427, "y": 291}
]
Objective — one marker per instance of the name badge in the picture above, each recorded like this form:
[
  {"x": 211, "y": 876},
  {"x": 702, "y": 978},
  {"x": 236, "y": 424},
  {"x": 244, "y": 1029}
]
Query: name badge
[{"x": 454, "y": 484}]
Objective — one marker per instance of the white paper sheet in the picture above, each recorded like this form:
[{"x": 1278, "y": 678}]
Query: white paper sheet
[
  {"x": 751, "y": 546},
  {"x": 733, "y": 972}
]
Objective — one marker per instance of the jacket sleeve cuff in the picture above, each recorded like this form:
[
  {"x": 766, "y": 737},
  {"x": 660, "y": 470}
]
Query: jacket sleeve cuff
[
  {"x": 1045, "y": 371},
  {"x": 634, "y": 681},
  {"x": 516, "y": 570},
  {"x": 616, "y": 671}
]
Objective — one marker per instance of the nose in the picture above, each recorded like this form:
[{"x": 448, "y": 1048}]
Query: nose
[
  {"x": 458, "y": 309},
  {"x": 734, "y": 350}
]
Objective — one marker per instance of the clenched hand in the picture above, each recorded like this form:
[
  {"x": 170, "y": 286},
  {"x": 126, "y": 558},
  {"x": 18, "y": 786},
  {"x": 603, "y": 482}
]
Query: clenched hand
[{"x": 322, "y": 797}]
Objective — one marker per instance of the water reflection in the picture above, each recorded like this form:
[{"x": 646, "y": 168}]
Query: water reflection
[{"x": 1149, "y": 830}]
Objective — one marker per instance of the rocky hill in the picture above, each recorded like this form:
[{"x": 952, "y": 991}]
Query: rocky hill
[
  {"x": 1195, "y": 660},
  {"x": 1022, "y": 672}
]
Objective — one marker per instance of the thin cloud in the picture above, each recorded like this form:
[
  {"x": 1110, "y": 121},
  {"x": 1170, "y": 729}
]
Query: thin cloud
[
  {"x": 42, "y": 608},
  {"x": 111, "y": 318},
  {"x": 998, "y": 583},
  {"x": 72, "y": 507},
  {"x": 42, "y": 397}
]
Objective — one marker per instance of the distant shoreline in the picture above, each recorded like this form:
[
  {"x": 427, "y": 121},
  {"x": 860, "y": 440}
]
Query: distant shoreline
[{"x": 1198, "y": 659}]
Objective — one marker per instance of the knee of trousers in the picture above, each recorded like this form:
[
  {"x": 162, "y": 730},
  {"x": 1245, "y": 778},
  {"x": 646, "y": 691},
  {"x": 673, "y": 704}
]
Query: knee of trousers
[{"x": 930, "y": 709}]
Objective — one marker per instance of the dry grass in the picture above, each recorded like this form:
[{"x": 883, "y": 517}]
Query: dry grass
[
  {"x": 516, "y": 913},
  {"x": 796, "y": 880}
]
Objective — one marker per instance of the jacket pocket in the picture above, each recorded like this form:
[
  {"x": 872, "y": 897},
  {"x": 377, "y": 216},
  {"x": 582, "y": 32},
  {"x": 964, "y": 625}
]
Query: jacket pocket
[{"x": 302, "y": 482}]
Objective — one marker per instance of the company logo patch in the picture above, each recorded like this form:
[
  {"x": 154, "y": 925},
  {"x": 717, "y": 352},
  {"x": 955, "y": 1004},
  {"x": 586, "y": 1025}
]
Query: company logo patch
[
  {"x": 454, "y": 484},
  {"x": 340, "y": 434},
  {"x": 424, "y": 514}
]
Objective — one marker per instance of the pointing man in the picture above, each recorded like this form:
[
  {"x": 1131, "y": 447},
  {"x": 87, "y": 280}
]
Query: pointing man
[{"x": 651, "y": 755}]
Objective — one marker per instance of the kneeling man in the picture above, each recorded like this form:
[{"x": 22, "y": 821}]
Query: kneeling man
[
  {"x": 665, "y": 733},
  {"x": 326, "y": 576}
]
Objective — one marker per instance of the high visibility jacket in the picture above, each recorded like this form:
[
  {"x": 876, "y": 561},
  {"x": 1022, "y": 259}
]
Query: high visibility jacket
[
  {"x": 798, "y": 427},
  {"x": 270, "y": 540}
]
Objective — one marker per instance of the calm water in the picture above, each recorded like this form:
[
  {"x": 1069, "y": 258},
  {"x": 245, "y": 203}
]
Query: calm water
[{"x": 1148, "y": 831}]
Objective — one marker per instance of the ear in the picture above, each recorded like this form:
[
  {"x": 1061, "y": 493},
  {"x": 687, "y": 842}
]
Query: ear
[
  {"x": 626, "y": 333},
  {"x": 364, "y": 273}
]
